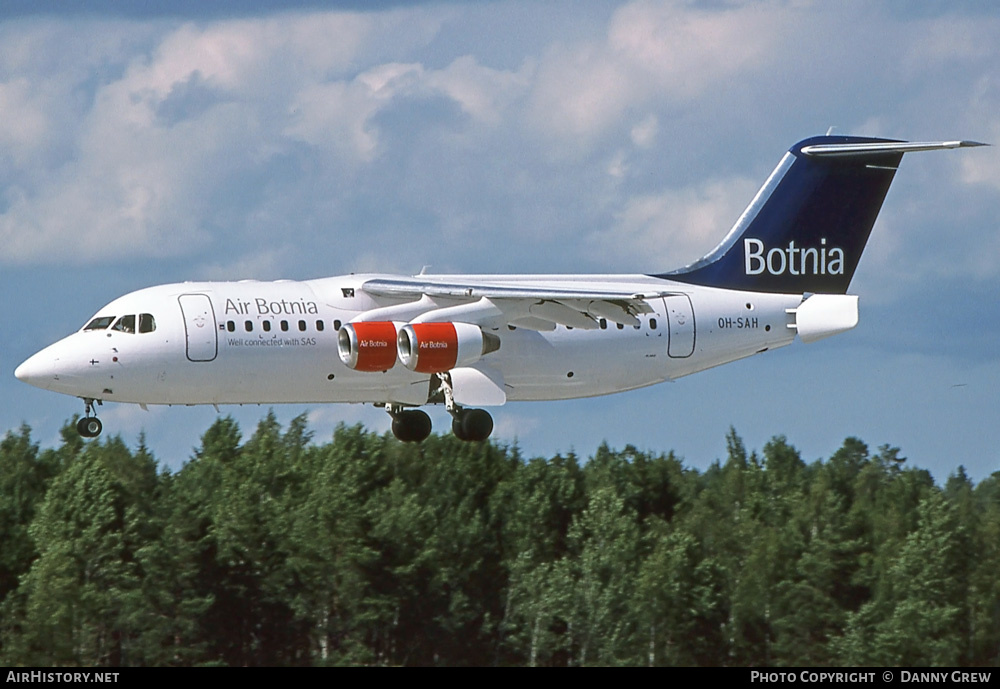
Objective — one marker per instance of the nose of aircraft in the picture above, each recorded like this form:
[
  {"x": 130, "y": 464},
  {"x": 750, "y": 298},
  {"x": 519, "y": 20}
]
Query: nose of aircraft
[
  {"x": 36, "y": 371},
  {"x": 53, "y": 368}
]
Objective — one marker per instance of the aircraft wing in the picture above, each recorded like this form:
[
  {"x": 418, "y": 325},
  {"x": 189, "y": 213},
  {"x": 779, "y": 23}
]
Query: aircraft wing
[{"x": 494, "y": 304}]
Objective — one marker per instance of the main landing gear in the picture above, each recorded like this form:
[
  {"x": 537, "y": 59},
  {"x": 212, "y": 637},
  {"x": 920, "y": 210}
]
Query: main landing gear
[
  {"x": 470, "y": 425},
  {"x": 413, "y": 425},
  {"x": 89, "y": 426}
]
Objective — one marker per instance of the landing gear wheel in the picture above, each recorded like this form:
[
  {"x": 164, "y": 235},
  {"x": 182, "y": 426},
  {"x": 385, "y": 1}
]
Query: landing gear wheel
[
  {"x": 456, "y": 427},
  {"x": 411, "y": 426},
  {"x": 89, "y": 427},
  {"x": 472, "y": 425}
]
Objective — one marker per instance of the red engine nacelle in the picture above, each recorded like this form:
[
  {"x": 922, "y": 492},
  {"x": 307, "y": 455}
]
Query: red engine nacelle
[
  {"x": 368, "y": 346},
  {"x": 440, "y": 347}
]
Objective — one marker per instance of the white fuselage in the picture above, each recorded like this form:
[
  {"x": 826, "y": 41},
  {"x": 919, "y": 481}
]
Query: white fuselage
[{"x": 276, "y": 342}]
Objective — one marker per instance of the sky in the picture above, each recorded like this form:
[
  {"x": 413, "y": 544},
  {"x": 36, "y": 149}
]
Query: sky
[{"x": 164, "y": 142}]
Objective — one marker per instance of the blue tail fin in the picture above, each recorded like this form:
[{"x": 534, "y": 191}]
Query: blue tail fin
[{"x": 807, "y": 226}]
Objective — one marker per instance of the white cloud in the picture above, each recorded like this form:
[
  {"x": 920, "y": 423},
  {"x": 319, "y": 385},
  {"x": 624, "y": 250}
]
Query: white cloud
[
  {"x": 644, "y": 133},
  {"x": 327, "y": 417},
  {"x": 983, "y": 167},
  {"x": 687, "y": 50},
  {"x": 266, "y": 263},
  {"x": 509, "y": 424},
  {"x": 653, "y": 53},
  {"x": 945, "y": 41},
  {"x": 618, "y": 166},
  {"x": 254, "y": 57},
  {"x": 149, "y": 163},
  {"x": 673, "y": 228},
  {"x": 483, "y": 93},
  {"x": 336, "y": 116},
  {"x": 25, "y": 122}
]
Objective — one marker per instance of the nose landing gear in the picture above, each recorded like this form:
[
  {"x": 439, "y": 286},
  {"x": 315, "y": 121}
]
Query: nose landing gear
[{"x": 89, "y": 426}]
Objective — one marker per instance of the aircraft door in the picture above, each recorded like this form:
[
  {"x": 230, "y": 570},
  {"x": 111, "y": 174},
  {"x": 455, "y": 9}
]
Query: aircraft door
[
  {"x": 680, "y": 316},
  {"x": 200, "y": 328}
]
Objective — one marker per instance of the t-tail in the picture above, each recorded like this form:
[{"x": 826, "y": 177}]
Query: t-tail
[{"x": 806, "y": 228}]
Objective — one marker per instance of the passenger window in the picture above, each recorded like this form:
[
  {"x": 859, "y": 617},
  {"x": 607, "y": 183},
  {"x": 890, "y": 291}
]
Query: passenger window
[
  {"x": 302, "y": 326},
  {"x": 336, "y": 324},
  {"x": 284, "y": 326},
  {"x": 267, "y": 326},
  {"x": 319, "y": 326},
  {"x": 100, "y": 323},
  {"x": 604, "y": 324},
  {"x": 147, "y": 323},
  {"x": 249, "y": 326},
  {"x": 125, "y": 324},
  {"x": 652, "y": 324},
  {"x": 231, "y": 326}
]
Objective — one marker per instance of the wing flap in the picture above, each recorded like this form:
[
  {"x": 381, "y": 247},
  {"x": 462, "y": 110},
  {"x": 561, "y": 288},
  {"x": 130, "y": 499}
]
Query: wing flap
[
  {"x": 531, "y": 323},
  {"x": 560, "y": 313}
]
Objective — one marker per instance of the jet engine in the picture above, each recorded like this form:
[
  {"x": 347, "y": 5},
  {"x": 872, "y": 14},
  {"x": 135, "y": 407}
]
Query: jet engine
[
  {"x": 368, "y": 345},
  {"x": 440, "y": 347}
]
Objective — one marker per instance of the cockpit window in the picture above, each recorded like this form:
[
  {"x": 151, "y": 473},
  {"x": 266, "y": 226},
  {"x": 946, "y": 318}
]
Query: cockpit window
[
  {"x": 147, "y": 323},
  {"x": 99, "y": 323},
  {"x": 125, "y": 324}
]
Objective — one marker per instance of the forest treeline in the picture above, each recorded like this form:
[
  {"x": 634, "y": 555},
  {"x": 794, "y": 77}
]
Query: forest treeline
[{"x": 278, "y": 550}]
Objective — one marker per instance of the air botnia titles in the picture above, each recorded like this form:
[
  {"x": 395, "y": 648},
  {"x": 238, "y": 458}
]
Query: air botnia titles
[
  {"x": 884, "y": 676},
  {"x": 795, "y": 260},
  {"x": 265, "y": 307}
]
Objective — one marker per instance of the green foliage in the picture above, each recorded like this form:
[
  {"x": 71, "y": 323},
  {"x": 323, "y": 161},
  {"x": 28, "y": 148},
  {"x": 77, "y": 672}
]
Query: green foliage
[
  {"x": 359, "y": 550},
  {"x": 76, "y": 599}
]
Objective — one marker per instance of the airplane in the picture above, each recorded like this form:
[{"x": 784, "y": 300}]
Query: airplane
[{"x": 473, "y": 341}]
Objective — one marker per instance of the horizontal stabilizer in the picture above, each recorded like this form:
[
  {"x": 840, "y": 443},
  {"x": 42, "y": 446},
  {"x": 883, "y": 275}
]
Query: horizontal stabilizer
[{"x": 884, "y": 147}]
